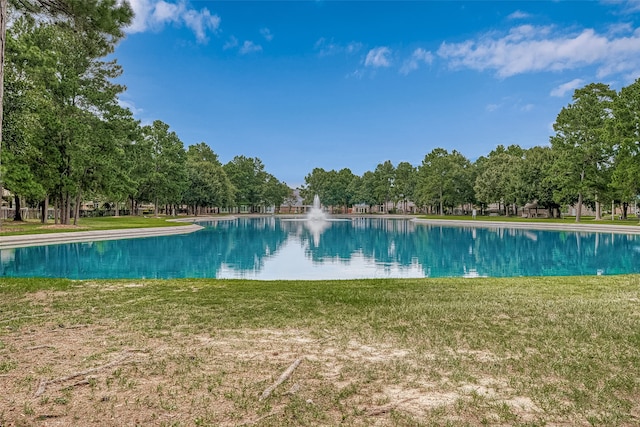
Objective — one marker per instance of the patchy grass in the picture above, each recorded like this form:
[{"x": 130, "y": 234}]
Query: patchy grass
[
  {"x": 10, "y": 228},
  {"x": 606, "y": 219},
  {"x": 522, "y": 351}
]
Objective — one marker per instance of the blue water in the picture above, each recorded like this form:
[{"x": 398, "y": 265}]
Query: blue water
[{"x": 269, "y": 248}]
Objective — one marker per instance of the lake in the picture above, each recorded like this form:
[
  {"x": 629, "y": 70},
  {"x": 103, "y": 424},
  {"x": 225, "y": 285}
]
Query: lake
[{"x": 271, "y": 248}]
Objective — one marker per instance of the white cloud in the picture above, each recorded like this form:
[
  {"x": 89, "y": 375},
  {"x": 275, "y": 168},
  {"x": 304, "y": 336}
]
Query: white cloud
[
  {"x": 249, "y": 47},
  {"x": 566, "y": 87},
  {"x": 166, "y": 12},
  {"x": 357, "y": 74},
  {"x": 492, "y": 107},
  {"x": 329, "y": 47},
  {"x": 518, "y": 14},
  {"x": 155, "y": 14},
  {"x": 201, "y": 22},
  {"x": 628, "y": 6},
  {"x": 378, "y": 57},
  {"x": 130, "y": 106},
  {"x": 419, "y": 56},
  {"x": 231, "y": 43},
  {"x": 266, "y": 33},
  {"x": 528, "y": 49},
  {"x": 527, "y": 107}
]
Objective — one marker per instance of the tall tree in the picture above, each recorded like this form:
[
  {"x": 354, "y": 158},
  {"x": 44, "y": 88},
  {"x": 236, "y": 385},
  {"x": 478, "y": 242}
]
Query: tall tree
[
  {"x": 584, "y": 151},
  {"x": 498, "y": 182},
  {"x": 97, "y": 20},
  {"x": 384, "y": 183},
  {"x": 535, "y": 182},
  {"x": 208, "y": 184},
  {"x": 275, "y": 192},
  {"x": 166, "y": 181},
  {"x": 405, "y": 183},
  {"x": 625, "y": 133},
  {"x": 316, "y": 182},
  {"x": 443, "y": 178},
  {"x": 248, "y": 176}
]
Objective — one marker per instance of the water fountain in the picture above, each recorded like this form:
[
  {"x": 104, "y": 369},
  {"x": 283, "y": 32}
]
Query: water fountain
[
  {"x": 316, "y": 221},
  {"x": 316, "y": 213}
]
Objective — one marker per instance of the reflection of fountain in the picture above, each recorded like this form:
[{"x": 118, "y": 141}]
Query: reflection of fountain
[{"x": 316, "y": 220}]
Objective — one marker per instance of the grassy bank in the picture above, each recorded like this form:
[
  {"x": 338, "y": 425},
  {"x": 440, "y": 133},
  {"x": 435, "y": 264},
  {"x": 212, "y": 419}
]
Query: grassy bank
[
  {"x": 10, "y": 228},
  {"x": 606, "y": 219},
  {"x": 524, "y": 351}
]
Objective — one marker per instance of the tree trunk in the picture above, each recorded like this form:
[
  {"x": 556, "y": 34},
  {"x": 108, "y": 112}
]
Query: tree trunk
[
  {"x": 155, "y": 207},
  {"x": 56, "y": 211},
  {"x": 3, "y": 33},
  {"x": 117, "y": 209},
  {"x": 67, "y": 209},
  {"x": 579, "y": 207},
  {"x": 17, "y": 216},
  {"x": 77, "y": 210},
  {"x": 598, "y": 209},
  {"x": 45, "y": 209},
  {"x": 625, "y": 207}
]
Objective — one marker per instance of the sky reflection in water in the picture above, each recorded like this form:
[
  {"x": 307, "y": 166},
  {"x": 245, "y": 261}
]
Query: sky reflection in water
[{"x": 269, "y": 248}]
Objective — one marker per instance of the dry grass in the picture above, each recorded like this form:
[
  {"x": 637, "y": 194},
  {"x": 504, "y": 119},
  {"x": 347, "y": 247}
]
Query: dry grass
[{"x": 382, "y": 353}]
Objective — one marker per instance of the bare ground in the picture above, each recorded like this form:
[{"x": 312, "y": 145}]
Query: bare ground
[
  {"x": 105, "y": 374},
  {"x": 111, "y": 374}
]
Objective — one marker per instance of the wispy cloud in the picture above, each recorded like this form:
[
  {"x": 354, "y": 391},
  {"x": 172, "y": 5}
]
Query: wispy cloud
[
  {"x": 418, "y": 57},
  {"x": 378, "y": 57},
  {"x": 266, "y": 33},
  {"x": 130, "y": 106},
  {"x": 491, "y": 107},
  {"x": 155, "y": 14},
  {"x": 231, "y": 43},
  {"x": 249, "y": 47},
  {"x": 527, "y": 48},
  {"x": 561, "y": 90},
  {"x": 518, "y": 14},
  {"x": 627, "y": 6},
  {"x": 329, "y": 47}
]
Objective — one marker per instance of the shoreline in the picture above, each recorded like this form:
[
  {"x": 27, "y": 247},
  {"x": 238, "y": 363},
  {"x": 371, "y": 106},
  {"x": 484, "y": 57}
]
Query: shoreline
[{"x": 551, "y": 226}]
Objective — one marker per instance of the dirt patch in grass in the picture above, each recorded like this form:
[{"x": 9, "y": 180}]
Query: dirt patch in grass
[
  {"x": 61, "y": 227},
  {"x": 107, "y": 374}
]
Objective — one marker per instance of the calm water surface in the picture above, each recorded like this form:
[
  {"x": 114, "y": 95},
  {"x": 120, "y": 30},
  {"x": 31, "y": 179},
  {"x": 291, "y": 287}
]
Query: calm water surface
[{"x": 269, "y": 248}]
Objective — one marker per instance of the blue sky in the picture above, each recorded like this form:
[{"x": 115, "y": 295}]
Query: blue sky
[{"x": 304, "y": 84}]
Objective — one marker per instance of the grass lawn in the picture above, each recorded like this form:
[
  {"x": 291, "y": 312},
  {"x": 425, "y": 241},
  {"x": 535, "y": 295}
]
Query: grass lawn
[
  {"x": 606, "y": 219},
  {"x": 521, "y": 351},
  {"x": 10, "y": 228}
]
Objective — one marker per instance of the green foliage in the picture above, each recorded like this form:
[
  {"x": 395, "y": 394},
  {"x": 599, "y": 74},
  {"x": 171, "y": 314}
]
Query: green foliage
[
  {"x": 248, "y": 176},
  {"x": 444, "y": 179},
  {"x": 583, "y": 149},
  {"x": 384, "y": 178},
  {"x": 333, "y": 187},
  {"x": 499, "y": 181},
  {"x": 625, "y": 134},
  {"x": 208, "y": 184},
  {"x": 166, "y": 180}
]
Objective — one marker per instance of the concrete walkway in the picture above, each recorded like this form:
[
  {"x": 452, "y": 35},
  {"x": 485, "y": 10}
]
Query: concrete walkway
[
  {"x": 7, "y": 242},
  {"x": 558, "y": 226}
]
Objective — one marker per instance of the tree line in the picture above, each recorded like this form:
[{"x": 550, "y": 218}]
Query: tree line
[
  {"x": 592, "y": 160},
  {"x": 66, "y": 138}
]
